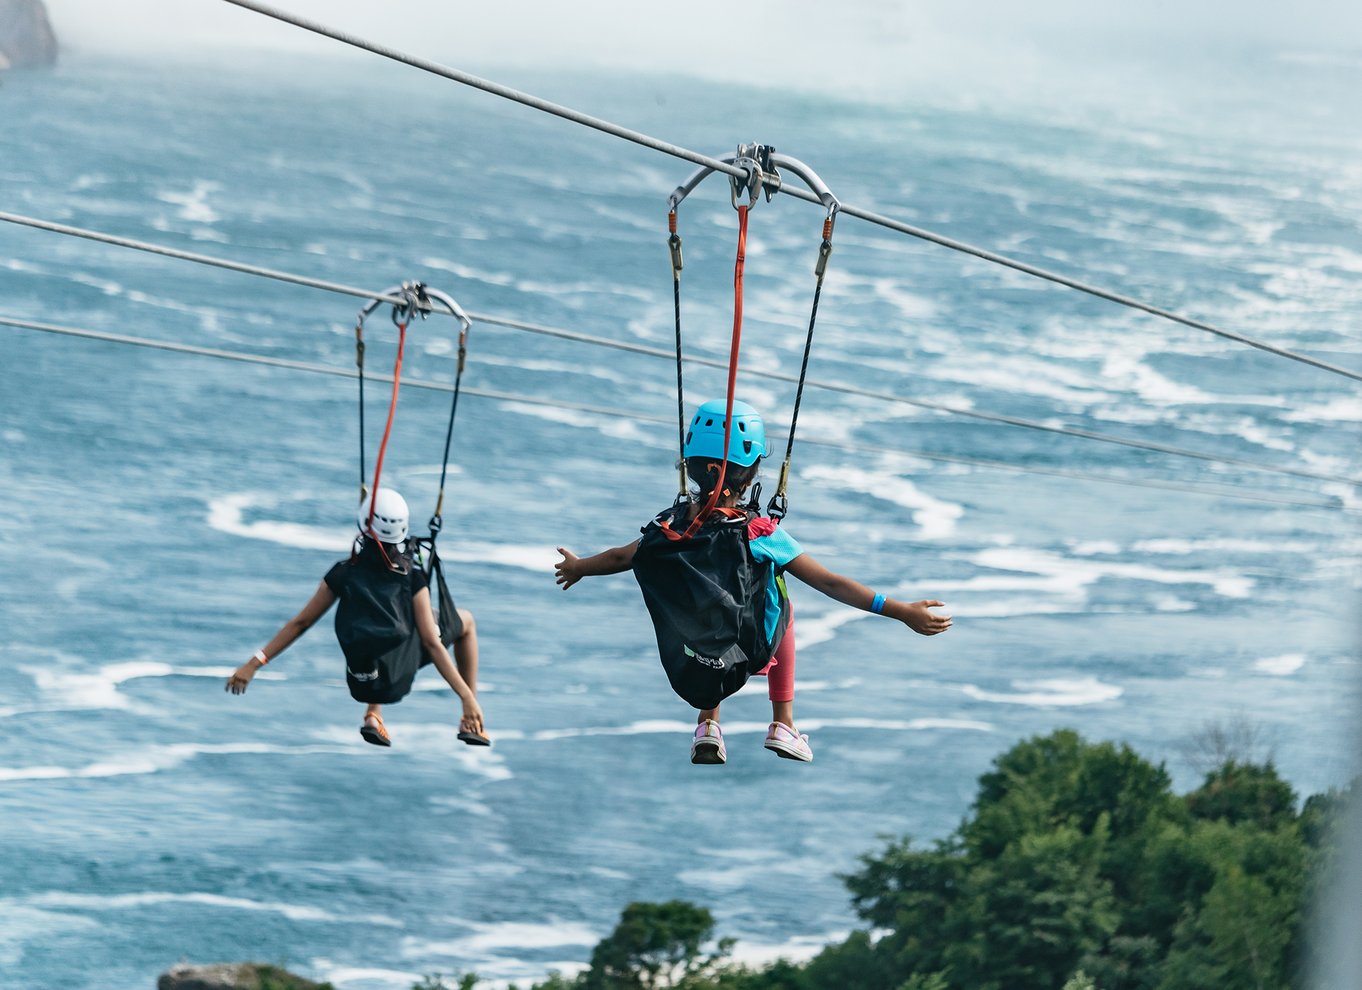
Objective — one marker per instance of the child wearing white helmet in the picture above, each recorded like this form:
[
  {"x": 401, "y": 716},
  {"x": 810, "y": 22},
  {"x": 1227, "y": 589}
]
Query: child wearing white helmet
[
  {"x": 712, "y": 577},
  {"x": 386, "y": 625}
]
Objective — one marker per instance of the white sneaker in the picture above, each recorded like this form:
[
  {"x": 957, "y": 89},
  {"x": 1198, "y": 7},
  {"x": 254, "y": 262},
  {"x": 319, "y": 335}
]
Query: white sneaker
[
  {"x": 788, "y": 744},
  {"x": 708, "y": 744}
]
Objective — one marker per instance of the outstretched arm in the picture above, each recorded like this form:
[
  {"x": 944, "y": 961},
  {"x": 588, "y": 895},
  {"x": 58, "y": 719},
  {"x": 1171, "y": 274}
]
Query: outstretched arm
[
  {"x": 915, "y": 615},
  {"x": 430, "y": 639},
  {"x": 572, "y": 568},
  {"x": 316, "y": 607}
]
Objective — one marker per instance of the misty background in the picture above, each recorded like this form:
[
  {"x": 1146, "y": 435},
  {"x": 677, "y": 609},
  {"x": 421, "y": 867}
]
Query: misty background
[{"x": 868, "y": 46}]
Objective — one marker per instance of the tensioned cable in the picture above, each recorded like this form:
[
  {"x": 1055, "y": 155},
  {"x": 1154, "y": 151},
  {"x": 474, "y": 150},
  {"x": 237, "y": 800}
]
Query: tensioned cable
[
  {"x": 310, "y": 367},
  {"x": 644, "y": 349},
  {"x": 615, "y": 130}
]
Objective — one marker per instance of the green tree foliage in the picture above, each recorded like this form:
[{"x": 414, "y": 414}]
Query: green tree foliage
[
  {"x": 1244, "y": 794},
  {"x": 656, "y": 946},
  {"x": 1078, "y": 868},
  {"x": 1078, "y": 856}
]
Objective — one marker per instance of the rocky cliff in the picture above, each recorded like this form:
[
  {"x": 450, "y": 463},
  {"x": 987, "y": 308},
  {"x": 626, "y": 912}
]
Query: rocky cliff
[
  {"x": 234, "y": 976},
  {"x": 26, "y": 37}
]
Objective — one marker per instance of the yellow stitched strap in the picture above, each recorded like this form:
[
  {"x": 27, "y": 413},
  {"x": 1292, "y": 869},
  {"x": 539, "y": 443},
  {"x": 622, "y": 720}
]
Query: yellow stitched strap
[{"x": 784, "y": 477}]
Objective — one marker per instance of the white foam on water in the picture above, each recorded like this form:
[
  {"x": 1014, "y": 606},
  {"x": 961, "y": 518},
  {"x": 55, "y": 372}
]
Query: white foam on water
[
  {"x": 561, "y": 368},
  {"x": 673, "y": 727},
  {"x": 1282, "y": 666},
  {"x": 812, "y": 686},
  {"x": 1095, "y": 548},
  {"x": 154, "y": 898},
  {"x": 934, "y": 518},
  {"x": 1340, "y": 409},
  {"x": 152, "y": 760},
  {"x": 104, "y": 285},
  {"x": 1220, "y": 544},
  {"x": 799, "y": 949},
  {"x": 490, "y": 939},
  {"x": 530, "y": 557},
  {"x": 811, "y": 630},
  {"x": 1069, "y": 577},
  {"x": 620, "y": 429},
  {"x": 193, "y": 204},
  {"x": 896, "y": 725},
  {"x": 77, "y": 691},
  {"x": 1059, "y": 692},
  {"x": 226, "y": 514},
  {"x": 1027, "y": 375},
  {"x": 467, "y": 273},
  {"x": 646, "y": 727},
  {"x": 746, "y": 868},
  {"x": 436, "y": 684},
  {"x": 1136, "y": 376},
  {"x": 21, "y": 926},
  {"x": 892, "y": 291},
  {"x": 1167, "y": 603},
  {"x": 426, "y": 740},
  {"x": 363, "y": 977}
]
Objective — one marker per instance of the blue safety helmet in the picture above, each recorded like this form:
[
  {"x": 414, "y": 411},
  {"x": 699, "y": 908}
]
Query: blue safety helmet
[{"x": 747, "y": 439}]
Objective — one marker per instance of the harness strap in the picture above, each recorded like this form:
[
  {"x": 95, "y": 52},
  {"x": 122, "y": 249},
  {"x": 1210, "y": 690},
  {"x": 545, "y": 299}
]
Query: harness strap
[
  {"x": 738, "y": 265},
  {"x": 359, "y": 363},
  {"x": 388, "y": 427},
  {"x": 674, "y": 245},
  {"x": 665, "y": 524},
  {"x": 437, "y": 520},
  {"x": 779, "y": 504}
]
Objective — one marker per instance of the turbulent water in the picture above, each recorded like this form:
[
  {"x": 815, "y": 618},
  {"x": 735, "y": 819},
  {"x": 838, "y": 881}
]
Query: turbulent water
[{"x": 163, "y": 513}]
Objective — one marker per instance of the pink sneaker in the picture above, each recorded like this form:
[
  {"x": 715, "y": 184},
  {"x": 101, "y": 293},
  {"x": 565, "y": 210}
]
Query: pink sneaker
[
  {"x": 788, "y": 744},
  {"x": 708, "y": 744}
]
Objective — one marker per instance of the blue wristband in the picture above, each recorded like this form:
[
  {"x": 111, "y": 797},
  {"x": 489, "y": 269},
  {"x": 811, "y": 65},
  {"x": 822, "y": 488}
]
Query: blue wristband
[{"x": 877, "y": 606}]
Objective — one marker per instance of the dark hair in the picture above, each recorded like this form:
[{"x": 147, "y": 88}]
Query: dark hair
[
  {"x": 395, "y": 557},
  {"x": 704, "y": 473}
]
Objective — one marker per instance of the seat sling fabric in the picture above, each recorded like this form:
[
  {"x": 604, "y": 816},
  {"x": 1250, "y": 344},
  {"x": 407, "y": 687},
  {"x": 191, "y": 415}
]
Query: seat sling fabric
[
  {"x": 376, "y": 628},
  {"x": 707, "y": 599}
]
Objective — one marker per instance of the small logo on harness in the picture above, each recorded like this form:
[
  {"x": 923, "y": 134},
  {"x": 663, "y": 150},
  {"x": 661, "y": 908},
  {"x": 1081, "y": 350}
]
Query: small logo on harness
[
  {"x": 714, "y": 662},
  {"x": 371, "y": 676}
]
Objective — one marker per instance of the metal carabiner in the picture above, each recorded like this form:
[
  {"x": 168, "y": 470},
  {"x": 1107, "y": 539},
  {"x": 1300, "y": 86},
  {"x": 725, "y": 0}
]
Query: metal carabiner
[
  {"x": 751, "y": 183},
  {"x": 414, "y": 301}
]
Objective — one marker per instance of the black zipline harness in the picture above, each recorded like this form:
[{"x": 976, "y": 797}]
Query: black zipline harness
[
  {"x": 704, "y": 589},
  {"x": 417, "y": 299}
]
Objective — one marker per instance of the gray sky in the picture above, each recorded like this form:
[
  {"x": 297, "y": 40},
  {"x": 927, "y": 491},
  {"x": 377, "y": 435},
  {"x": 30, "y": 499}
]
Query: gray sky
[{"x": 816, "y": 42}]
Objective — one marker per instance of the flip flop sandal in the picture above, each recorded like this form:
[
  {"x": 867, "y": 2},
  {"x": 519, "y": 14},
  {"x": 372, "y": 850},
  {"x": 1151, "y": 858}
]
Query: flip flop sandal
[
  {"x": 378, "y": 736},
  {"x": 474, "y": 739}
]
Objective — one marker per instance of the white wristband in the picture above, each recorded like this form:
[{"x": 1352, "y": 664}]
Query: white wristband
[{"x": 260, "y": 655}]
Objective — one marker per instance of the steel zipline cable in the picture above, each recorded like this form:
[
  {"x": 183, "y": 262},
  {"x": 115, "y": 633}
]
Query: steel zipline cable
[
  {"x": 310, "y": 367},
  {"x": 592, "y": 340},
  {"x": 667, "y": 148}
]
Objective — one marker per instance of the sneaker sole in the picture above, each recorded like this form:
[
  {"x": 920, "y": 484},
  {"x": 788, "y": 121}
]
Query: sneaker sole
[
  {"x": 704, "y": 752},
  {"x": 788, "y": 752}
]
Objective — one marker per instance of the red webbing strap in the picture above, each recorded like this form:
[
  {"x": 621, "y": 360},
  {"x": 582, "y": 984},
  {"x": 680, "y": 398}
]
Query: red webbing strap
[
  {"x": 738, "y": 264},
  {"x": 388, "y": 428}
]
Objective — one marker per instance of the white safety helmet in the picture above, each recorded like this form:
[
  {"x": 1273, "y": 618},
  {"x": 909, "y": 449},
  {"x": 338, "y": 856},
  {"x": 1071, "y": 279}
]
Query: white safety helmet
[{"x": 391, "y": 516}]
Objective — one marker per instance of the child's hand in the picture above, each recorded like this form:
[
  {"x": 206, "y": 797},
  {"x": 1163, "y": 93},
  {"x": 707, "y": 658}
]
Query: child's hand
[
  {"x": 917, "y": 618},
  {"x": 472, "y": 717},
  {"x": 239, "y": 680},
  {"x": 567, "y": 572}
]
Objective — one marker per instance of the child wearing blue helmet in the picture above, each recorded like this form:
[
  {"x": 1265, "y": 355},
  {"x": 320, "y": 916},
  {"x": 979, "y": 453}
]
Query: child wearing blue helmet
[{"x": 716, "y": 591}]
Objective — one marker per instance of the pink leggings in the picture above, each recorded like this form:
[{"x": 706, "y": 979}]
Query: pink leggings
[{"x": 780, "y": 672}]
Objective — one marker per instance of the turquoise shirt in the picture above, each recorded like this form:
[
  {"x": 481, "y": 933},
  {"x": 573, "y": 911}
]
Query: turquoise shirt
[{"x": 780, "y": 548}]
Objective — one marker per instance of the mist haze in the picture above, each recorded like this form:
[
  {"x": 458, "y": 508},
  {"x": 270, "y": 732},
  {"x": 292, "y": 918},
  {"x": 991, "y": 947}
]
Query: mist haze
[{"x": 855, "y": 47}]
